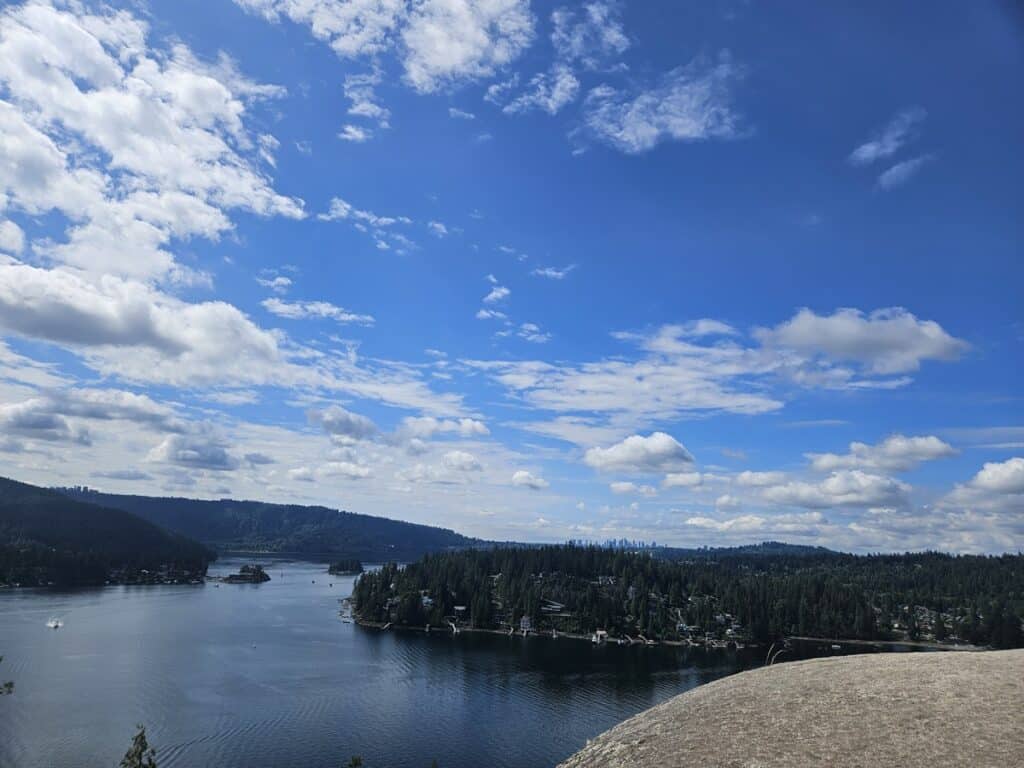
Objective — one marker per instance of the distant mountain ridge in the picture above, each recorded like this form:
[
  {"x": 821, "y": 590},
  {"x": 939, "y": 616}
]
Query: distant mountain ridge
[
  {"x": 48, "y": 538},
  {"x": 227, "y": 524}
]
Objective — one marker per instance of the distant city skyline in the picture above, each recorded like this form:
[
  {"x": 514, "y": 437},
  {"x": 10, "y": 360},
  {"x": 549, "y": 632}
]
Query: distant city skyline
[{"x": 699, "y": 273}]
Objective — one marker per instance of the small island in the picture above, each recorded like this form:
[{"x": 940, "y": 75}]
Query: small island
[
  {"x": 248, "y": 574},
  {"x": 349, "y": 567}
]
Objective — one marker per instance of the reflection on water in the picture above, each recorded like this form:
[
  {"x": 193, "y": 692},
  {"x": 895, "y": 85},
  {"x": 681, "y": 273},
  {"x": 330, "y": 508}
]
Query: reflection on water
[{"x": 268, "y": 675}]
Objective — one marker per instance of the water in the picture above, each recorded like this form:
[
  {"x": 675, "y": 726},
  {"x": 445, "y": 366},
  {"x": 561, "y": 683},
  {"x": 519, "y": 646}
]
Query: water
[{"x": 243, "y": 676}]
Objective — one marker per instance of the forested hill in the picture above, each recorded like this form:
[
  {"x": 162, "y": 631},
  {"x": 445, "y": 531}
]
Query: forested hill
[
  {"x": 258, "y": 526},
  {"x": 741, "y": 597},
  {"x": 45, "y": 538}
]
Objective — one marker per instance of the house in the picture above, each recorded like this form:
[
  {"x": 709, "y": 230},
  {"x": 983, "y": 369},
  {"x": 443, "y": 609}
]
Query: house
[{"x": 525, "y": 625}]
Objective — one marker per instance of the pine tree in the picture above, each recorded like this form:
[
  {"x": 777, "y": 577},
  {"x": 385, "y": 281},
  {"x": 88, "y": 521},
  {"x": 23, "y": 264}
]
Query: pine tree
[
  {"x": 140, "y": 754},
  {"x": 6, "y": 688}
]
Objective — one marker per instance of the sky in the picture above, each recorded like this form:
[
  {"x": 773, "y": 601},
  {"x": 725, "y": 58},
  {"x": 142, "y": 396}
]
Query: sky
[{"x": 700, "y": 273}]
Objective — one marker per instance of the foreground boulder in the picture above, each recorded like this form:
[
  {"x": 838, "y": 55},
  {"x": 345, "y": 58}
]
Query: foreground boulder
[{"x": 909, "y": 709}]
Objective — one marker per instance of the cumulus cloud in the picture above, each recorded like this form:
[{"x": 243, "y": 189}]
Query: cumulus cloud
[
  {"x": 887, "y": 341},
  {"x": 528, "y": 480},
  {"x": 352, "y": 29},
  {"x": 461, "y": 461},
  {"x": 896, "y": 453},
  {"x": 887, "y": 142},
  {"x": 840, "y": 489},
  {"x": 447, "y": 41},
  {"x": 628, "y": 487},
  {"x": 346, "y": 469},
  {"x": 12, "y": 238},
  {"x": 658, "y": 452},
  {"x": 760, "y": 479},
  {"x": 682, "y": 480},
  {"x": 135, "y": 145},
  {"x": 426, "y": 427},
  {"x": 342, "y": 424},
  {"x": 691, "y": 103},
  {"x": 202, "y": 450},
  {"x": 1001, "y": 477}
]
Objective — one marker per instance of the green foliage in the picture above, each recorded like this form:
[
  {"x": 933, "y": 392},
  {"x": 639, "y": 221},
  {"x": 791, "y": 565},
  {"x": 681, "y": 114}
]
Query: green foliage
[
  {"x": 768, "y": 594},
  {"x": 348, "y": 565},
  {"x": 259, "y": 526},
  {"x": 139, "y": 754},
  {"x": 6, "y": 689},
  {"x": 46, "y": 538}
]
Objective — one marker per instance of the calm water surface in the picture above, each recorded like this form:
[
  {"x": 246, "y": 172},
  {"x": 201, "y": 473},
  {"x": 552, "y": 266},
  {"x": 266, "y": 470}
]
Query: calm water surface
[{"x": 243, "y": 676}]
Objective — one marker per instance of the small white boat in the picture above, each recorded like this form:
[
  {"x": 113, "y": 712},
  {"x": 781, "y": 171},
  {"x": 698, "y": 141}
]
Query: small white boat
[{"x": 55, "y": 624}]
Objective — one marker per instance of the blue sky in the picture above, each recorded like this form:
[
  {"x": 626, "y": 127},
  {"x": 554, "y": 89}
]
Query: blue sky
[{"x": 705, "y": 273}]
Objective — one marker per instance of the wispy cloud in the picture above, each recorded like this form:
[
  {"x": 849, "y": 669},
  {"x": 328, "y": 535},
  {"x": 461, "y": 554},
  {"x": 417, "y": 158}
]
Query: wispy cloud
[{"x": 887, "y": 142}]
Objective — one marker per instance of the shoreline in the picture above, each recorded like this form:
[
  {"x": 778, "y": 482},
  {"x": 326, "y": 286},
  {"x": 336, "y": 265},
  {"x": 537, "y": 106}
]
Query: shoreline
[
  {"x": 908, "y": 643},
  {"x": 380, "y": 626}
]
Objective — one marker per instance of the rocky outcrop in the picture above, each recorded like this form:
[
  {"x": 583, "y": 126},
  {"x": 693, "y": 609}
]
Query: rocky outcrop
[{"x": 912, "y": 710}]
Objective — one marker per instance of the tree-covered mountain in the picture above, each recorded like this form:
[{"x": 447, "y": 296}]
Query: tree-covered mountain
[
  {"x": 48, "y": 538},
  {"x": 755, "y": 596},
  {"x": 259, "y": 526}
]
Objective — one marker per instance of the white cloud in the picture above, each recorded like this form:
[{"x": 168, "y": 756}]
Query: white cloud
[
  {"x": 354, "y": 133},
  {"x": 1001, "y": 477},
  {"x": 437, "y": 228},
  {"x": 597, "y": 35},
  {"x": 203, "y": 450},
  {"x": 359, "y": 90},
  {"x": 170, "y": 340},
  {"x": 887, "y": 341},
  {"x": 891, "y": 139},
  {"x": 447, "y": 41},
  {"x": 527, "y": 480},
  {"x": 342, "y": 424},
  {"x": 553, "y": 272},
  {"x": 279, "y": 284},
  {"x": 12, "y": 239},
  {"x": 134, "y": 145},
  {"x": 658, "y": 452},
  {"x": 490, "y": 314},
  {"x": 760, "y": 479},
  {"x": 426, "y": 427},
  {"x": 691, "y": 103},
  {"x": 896, "y": 453},
  {"x": 546, "y": 91},
  {"x": 461, "y": 461},
  {"x": 628, "y": 487},
  {"x": 353, "y": 28},
  {"x": 682, "y": 480},
  {"x": 346, "y": 469},
  {"x": 532, "y": 332},
  {"x": 727, "y": 501},
  {"x": 298, "y": 310},
  {"x": 460, "y": 114},
  {"x": 496, "y": 294},
  {"x": 842, "y": 488},
  {"x": 902, "y": 172}
]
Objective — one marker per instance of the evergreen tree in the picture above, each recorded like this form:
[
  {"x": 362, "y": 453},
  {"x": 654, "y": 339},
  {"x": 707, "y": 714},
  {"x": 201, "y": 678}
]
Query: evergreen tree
[
  {"x": 140, "y": 754},
  {"x": 8, "y": 687}
]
